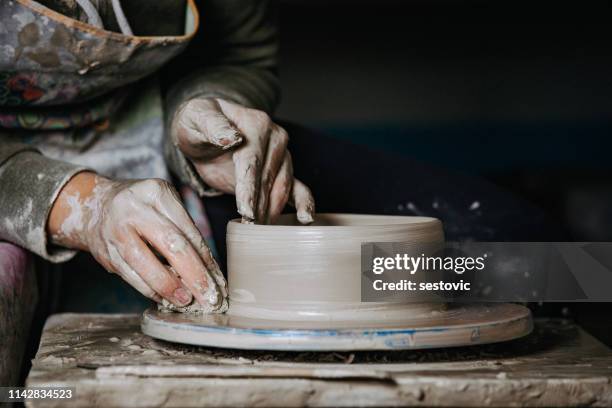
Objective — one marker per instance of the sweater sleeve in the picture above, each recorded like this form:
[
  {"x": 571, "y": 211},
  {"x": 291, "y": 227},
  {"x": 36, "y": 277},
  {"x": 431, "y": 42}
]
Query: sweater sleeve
[
  {"x": 29, "y": 185},
  {"x": 234, "y": 56}
]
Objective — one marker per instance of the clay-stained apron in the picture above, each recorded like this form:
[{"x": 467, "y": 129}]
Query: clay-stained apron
[{"x": 48, "y": 59}]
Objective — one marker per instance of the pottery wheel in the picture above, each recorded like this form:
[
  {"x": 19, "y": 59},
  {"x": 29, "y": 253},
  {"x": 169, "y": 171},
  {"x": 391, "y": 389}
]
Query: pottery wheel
[{"x": 458, "y": 325}]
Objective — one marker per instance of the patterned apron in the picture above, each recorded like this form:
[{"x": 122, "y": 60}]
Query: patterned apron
[{"x": 89, "y": 96}]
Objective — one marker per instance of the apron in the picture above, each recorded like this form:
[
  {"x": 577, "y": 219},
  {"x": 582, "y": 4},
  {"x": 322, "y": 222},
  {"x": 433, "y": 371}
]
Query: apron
[{"x": 89, "y": 96}]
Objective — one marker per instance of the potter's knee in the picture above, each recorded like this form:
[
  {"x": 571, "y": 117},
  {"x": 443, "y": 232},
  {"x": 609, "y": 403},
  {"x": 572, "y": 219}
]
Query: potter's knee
[{"x": 18, "y": 297}]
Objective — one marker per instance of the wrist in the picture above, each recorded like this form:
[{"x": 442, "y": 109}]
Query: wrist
[{"x": 68, "y": 219}]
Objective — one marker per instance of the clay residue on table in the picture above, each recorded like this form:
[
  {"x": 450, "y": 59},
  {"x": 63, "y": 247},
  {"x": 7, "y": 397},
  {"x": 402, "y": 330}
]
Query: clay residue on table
[
  {"x": 194, "y": 308},
  {"x": 108, "y": 358}
]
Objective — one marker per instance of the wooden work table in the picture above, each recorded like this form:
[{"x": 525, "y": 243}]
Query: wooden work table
[{"x": 111, "y": 363}]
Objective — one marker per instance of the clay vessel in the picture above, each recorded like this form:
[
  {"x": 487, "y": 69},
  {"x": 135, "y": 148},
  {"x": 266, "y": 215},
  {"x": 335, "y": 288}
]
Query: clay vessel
[{"x": 293, "y": 272}]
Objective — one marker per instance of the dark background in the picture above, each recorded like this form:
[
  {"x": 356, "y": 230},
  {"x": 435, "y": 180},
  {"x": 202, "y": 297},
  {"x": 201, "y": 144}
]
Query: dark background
[{"x": 517, "y": 92}]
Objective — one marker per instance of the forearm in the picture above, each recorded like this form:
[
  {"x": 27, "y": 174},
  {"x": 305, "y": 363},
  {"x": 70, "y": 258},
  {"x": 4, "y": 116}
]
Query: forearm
[
  {"x": 29, "y": 185},
  {"x": 234, "y": 56}
]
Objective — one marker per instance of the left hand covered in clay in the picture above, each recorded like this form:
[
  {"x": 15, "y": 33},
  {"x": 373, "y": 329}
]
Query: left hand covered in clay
[
  {"x": 241, "y": 151},
  {"x": 125, "y": 224}
]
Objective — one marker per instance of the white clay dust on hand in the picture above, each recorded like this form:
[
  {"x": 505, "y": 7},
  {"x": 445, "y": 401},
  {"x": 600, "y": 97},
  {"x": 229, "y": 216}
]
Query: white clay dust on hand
[
  {"x": 125, "y": 224},
  {"x": 241, "y": 151}
]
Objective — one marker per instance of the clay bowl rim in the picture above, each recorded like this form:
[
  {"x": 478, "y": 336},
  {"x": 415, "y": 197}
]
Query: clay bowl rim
[{"x": 416, "y": 223}]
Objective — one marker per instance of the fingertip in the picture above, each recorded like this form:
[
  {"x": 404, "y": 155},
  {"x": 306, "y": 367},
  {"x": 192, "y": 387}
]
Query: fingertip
[
  {"x": 305, "y": 217},
  {"x": 213, "y": 298},
  {"x": 222, "y": 132},
  {"x": 247, "y": 220},
  {"x": 182, "y": 296},
  {"x": 228, "y": 139},
  {"x": 246, "y": 211}
]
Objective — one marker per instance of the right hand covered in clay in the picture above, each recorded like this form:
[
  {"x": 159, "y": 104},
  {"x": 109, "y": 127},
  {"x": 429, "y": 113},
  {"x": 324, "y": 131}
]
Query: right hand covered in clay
[
  {"x": 241, "y": 151},
  {"x": 121, "y": 223}
]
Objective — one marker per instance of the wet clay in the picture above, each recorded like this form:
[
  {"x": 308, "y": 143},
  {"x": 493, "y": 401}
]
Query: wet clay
[
  {"x": 295, "y": 287},
  {"x": 291, "y": 272}
]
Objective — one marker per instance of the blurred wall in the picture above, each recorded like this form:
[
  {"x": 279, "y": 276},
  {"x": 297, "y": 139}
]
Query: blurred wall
[
  {"x": 363, "y": 62},
  {"x": 519, "y": 92}
]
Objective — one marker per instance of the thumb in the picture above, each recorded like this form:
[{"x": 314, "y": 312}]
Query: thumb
[
  {"x": 216, "y": 126},
  {"x": 202, "y": 128}
]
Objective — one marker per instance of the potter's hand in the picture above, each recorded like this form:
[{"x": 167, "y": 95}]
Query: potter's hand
[
  {"x": 240, "y": 150},
  {"x": 122, "y": 223}
]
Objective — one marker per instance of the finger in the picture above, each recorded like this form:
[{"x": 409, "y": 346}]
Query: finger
[
  {"x": 218, "y": 128},
  {"x": 218, "y": 172},
  {"x": 303, "y": 201},
  {"x": 247, "y": 164},
  {"x": 203, "y": 131},
  {"x": 209, "y": 261},
  {"x": 256, "y": 126},
  {"x": 157, "y": 276},
  {"x": 275, "y": 155},
  {"x": 123, "y": 269},
  {"x": 174, "y": 212},
  {"x": 172, "y": 244},
  {"x": 281, "y": 190}
]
